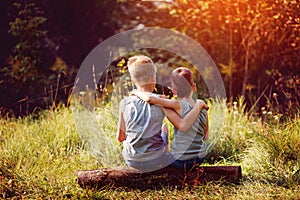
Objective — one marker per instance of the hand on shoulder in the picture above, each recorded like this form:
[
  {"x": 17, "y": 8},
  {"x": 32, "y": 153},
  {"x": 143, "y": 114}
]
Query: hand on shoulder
[
  {"x": 201, "y": 104},
  {"x": 145, "y": 96}
]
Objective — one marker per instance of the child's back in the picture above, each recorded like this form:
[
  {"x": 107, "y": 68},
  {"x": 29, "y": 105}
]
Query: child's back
[
  {"x": 189, "y": 148},
  {"x": 143, "y": 128},
  {"x": 190, "y": 144},
  {"x": 140, "y": 123}
]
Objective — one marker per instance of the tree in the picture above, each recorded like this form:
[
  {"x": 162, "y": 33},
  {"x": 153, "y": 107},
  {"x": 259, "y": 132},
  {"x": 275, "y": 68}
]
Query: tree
[
  {"x": 24, "y": 73},
  {"x": 46, "y": 44},
  {"x": 245, "y": 38}
]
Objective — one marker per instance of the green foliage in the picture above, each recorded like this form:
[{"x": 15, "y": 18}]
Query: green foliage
[
  {"x": 43, "y": 46},
  {"x": 244, "y": 38},
  {"x": 25, "y": 74},
  {"x": 30, "y": 34},
  {"x": 115, "y": 82},
  {"x": 284, "y": 98}
]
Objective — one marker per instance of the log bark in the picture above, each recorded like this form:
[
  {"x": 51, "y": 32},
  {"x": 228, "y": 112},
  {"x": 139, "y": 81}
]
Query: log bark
[{"x": 169, "y": 176}]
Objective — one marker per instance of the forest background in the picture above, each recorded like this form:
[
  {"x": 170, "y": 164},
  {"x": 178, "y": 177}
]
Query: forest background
[{"x": 254, "y": 43}]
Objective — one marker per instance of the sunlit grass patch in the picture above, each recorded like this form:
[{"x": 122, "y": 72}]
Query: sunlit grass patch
[
  {"x": 98, "y": 132},
  {"x": 230, "y": 129},
  {"x": 274, "y": 154},
  {"x": 44, "y": 153},
  {"x": 39, "y": 157}
]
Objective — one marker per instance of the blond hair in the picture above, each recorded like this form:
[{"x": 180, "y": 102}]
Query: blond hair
[{"x": 141, "y": 68}]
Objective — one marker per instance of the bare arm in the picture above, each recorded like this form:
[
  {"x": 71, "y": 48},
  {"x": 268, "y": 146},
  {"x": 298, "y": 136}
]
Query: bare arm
[
  {"x": 206, "y": 129},
  {"x": 172, "y": 108},
  {"x": 121, "y": 126},
  {"x": 166, "y": 103},
  {"x": 185, "y": 123}
]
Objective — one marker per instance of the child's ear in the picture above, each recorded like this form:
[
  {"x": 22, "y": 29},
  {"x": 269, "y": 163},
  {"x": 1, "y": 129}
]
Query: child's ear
[
  {"x": 194, "y": 87},
  {"x": 174, "y": 91}
]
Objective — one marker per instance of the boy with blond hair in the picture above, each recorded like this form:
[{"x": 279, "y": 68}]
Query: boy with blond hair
[{"x": 140, "y": 123}]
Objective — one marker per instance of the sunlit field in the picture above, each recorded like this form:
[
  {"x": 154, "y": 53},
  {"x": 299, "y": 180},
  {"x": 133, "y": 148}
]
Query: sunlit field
[
  {"x": 45, "y": 139},
  {"x": 40, "y": 156}
]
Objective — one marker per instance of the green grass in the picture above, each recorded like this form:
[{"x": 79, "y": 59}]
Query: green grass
[{"x": 40, "y": 156}]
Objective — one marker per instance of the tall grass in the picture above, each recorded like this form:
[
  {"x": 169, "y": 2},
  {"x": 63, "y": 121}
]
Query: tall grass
[
  {"x": 267, "y": 150},
  {"x": 98, "y": 130},
  {"x": 39, "y": 157},
  {"x": 273, "y": 153}
]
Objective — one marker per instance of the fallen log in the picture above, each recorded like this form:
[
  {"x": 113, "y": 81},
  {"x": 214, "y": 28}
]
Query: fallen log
[{"x": 169, "y": 176}]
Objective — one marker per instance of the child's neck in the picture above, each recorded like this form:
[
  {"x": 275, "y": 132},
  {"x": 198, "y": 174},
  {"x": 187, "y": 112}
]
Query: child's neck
[
  {"x": 145, "y": 88},
  {"x": 188, "y": 99}
]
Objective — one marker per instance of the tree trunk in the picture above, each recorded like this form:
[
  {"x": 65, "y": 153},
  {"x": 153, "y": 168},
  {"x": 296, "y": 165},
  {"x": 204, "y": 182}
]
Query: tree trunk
[{"x": 169, "y": 176}]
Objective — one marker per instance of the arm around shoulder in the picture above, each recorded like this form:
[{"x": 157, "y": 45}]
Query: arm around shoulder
[
  {"x": 206, "y": 128},
  {"x": 183, "y": 124},
  {"x": 121, "y": 136},
  {"x": 167, "y": 103}
]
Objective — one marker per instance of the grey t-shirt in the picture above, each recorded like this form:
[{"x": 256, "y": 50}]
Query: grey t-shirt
[
  {"x": 143, "y": 123},
  {"x": 190, "y": 144}
]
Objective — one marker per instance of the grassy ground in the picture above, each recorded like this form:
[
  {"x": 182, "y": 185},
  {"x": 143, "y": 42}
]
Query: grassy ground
[{"x": 39, "y": 156}]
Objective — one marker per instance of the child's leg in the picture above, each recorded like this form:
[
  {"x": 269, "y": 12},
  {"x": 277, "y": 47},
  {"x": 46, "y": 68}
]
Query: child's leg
[
  {"x": 187, "y": 164},
  {"x": 164, "y": 135}
]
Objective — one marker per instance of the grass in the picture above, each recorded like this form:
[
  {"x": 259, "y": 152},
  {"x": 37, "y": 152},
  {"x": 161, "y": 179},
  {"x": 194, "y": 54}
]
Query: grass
[{"x": 39, "y": 156}]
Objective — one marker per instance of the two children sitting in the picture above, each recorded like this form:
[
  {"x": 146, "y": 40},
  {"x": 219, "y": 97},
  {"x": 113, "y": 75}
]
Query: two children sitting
[{"x": 145, "y": 142}]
